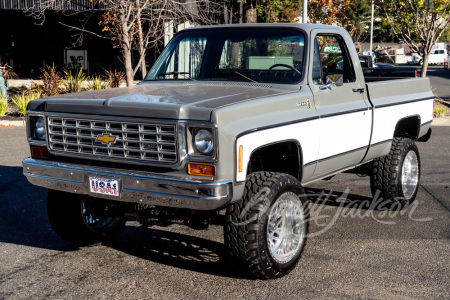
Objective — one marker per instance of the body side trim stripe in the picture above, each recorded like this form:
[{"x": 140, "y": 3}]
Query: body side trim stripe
[
  {"x": 347, "y": 152},
  {"x": 401, "y": 103},
  {"x": 382, "y": 142},
  {"x": 275, "y": 126},
  {"x": 301, "y": 121},
  {"x": 345, "y": 112},
  {"x": 310, "y": 164},
  {"x": 334, "y": 156},
  {"x": 343, "y": 153}
]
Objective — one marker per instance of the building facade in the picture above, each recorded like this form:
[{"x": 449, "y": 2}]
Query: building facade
[{"x": 29, "y": 47}]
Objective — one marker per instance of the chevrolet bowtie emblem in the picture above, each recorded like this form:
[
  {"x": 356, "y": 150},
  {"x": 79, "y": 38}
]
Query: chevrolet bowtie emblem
[{"x": 106, "y": 138}]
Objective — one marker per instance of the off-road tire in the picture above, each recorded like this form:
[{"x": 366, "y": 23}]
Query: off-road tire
[
  {"x": 65, "y": 213},
  {"x": 387, "y": 172},
  {"x": 247, "y": 220}
]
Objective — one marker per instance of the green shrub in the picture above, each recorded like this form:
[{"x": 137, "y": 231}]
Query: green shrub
[
  {"x": 74, "y": 82},
  {"x": 51, "y": 81},
  {"x": 97, "y": 83},
  {"x": 3, "y": 105},
  {"x": 21, "y": 101},
  {"x": 440, "y": 111}
]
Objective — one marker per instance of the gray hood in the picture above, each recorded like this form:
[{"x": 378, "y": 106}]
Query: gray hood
[{"x": 179, "y": 101}]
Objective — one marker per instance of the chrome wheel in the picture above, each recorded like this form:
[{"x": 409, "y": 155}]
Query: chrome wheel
[
  {"x": 95, "y": 221},
  {"x": 410, "y": 174},
  {"x": 286, "y": 227}
]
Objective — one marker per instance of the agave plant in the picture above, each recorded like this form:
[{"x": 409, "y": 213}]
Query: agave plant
[
  {"x": 74, "y": 82},
  {"x": 97, "y": 83},
  {"x": 4, "y": 104},
  {"x": 9, "y": 73},
  {"x": 114, "y": 77},
  {"x": 22, "y": 100},
  {"x": 51, "y": 81}
]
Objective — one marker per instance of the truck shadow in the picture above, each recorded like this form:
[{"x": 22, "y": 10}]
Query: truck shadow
[
  {"x": 23, "y": 221},
  {"x": 23, "y": 216},
  {"x": 344, "y": 200},
  {"x": 183, "y": 251}
]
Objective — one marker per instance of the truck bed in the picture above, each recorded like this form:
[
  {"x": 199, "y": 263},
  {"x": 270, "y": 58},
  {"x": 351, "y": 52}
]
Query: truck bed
[{"x": 408, "y": 99}]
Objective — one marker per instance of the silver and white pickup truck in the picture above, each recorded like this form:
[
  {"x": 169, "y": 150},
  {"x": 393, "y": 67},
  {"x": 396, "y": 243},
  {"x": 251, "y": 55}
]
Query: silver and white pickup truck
[{"x": 227, "y": 127}]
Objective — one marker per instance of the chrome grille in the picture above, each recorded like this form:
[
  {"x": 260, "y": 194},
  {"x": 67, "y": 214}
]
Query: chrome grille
[{"x": 153, "y": 142}]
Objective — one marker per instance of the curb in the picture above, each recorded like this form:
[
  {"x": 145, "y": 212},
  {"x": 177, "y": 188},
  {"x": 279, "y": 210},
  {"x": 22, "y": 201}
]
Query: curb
[{"x": 18, "y": 123}]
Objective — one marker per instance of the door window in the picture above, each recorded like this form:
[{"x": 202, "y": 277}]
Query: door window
[{"x": 334, "y": 59}]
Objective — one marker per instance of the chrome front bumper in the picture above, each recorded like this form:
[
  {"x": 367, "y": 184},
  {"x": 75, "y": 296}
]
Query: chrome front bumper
[{"x": 142, "y": 188}]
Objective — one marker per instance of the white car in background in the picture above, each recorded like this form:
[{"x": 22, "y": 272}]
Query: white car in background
[{"x": 437, "y": 56}]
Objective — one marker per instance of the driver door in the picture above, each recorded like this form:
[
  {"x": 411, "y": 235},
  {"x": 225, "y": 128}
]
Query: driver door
[{"x": 345, "y": 115}]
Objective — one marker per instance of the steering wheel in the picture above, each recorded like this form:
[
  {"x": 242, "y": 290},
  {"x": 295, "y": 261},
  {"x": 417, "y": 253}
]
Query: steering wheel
[{"x": 283, "y": 65}]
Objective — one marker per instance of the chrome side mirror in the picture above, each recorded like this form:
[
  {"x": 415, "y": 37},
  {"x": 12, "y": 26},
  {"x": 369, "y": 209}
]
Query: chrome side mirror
[{"x": 332, "y": 81}]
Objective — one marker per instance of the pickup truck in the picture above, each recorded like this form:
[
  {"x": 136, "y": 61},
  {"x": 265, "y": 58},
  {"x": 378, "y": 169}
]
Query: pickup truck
[
  {"x": 436, "y": 57},
  {"x": 380, "y": 71},
  {"x": 227, "y": 128}
]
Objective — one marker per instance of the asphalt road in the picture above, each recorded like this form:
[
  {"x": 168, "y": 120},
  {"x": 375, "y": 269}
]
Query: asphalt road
[
  {"x": 440, "y": 81},
  {"x": 360, "y": 253}
]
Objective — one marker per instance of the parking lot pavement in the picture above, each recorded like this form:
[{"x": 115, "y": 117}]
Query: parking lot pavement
[
  {"x": 439, "y": 79},
  {"x": 361, "y": 253}
]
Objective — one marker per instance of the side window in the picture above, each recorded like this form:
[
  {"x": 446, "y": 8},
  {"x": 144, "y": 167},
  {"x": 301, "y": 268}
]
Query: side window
[{"x": 335, "y": 57}]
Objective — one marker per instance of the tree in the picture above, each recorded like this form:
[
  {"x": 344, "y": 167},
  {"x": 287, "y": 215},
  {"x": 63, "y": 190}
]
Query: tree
[
  {"x": 358, "y": 24},
  {"x": 332, "y": 12},
  {"x": 134, "y": 24},
  {"x": 420, "y": 23},
  {"x": 277, "y": 10}
]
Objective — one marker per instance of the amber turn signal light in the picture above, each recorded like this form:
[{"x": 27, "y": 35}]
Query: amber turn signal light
[
  {"x": 39, "y": 152},
  {"x": 201, "y": 170},
  {"x": 241, "y": 157}
]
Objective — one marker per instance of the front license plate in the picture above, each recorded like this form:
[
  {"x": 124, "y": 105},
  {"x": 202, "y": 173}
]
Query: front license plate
[{"x": 104, "y": 186}]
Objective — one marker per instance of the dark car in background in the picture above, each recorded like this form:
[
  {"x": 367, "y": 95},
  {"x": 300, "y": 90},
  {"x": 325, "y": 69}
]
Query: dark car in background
[{"x": 382, "y": 71}]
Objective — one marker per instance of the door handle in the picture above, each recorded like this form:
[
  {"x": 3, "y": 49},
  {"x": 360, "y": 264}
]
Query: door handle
[{"x": 358, "y": 90}]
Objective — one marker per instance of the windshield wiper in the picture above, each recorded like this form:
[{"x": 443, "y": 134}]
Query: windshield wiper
[
  {"x": 176, "y": 74},
  {"x": 235, "y": 72}
]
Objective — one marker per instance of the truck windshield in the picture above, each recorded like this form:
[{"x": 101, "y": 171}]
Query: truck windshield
[{"x": 247, "y": 55}]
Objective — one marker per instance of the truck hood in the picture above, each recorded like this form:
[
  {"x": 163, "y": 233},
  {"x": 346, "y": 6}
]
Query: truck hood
[{"x": 182, "y": 101}]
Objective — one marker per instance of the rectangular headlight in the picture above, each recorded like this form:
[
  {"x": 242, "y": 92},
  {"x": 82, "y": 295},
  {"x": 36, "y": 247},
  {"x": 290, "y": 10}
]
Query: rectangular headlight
[{"x": 36, "y": 128}]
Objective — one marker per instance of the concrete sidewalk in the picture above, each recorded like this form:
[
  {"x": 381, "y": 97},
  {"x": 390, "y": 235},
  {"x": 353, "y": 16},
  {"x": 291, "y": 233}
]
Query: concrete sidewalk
[{"x": 444, "y": 121}]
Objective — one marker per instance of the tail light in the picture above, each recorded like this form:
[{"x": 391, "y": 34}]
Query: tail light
[
  {"x": 416, "y": 73},
  {"x": 432, "y": 112}
]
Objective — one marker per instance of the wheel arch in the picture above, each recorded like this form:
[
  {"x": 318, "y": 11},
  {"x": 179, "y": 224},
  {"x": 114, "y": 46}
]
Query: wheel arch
[
  {"x": 408, "y": 127},
  {"x": 288, "y": 158}
]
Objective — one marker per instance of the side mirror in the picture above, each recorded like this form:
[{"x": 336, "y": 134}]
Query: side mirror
[{"x": 332, "y": 80}]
